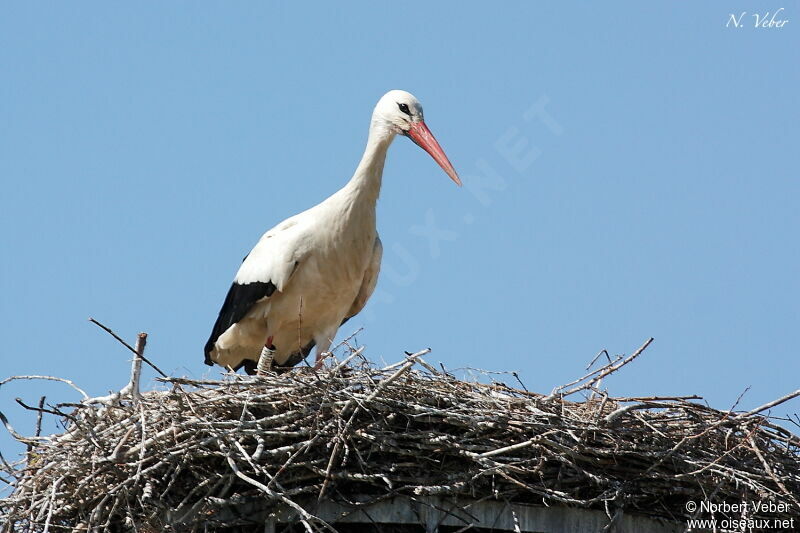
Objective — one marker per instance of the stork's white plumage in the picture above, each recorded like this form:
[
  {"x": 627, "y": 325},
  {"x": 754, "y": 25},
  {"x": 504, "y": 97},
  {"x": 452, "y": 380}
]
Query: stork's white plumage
[{"x": 312, "y": 272}]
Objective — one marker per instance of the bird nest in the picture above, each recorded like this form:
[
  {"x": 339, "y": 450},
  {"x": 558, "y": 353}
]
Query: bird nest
[{"x": 179, "y": 459}]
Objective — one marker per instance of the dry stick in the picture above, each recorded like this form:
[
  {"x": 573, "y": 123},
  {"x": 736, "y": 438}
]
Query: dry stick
[
  {"x": 410, "y": 361},
  {"x": 30, "y": 440},
  {"x": 622, "y": 410},
  {"x": 352, "y": 356},
  {"x": 715, "y": 462},
  {"x": 768, "y": 405},
  {"x": 128, "y": 346},
  {"x": 513, "y": 447},
  {"x": 306, "y": 516},
  {"x": 50, "y": 507},
  {"x": 613, "y": 368},
  {"x": 132, "y": 387},
  {"x": 604, "y": 371},
  {"x": 136, "y": 367},
  {"x": 298, "y": 452},
  {"x": 657, "y": 398},
  {"x": 47, "y": 378},
  {"x": 9, "y": 469},
  {"x": 48, "y": 411},
  {"x": 347, "y": 340},
  {"x": 769, "y": 471},
  {"x": 596, "y": 357},
  {"x": 428, "y": 367},
  {"x": 516, "y": 376},
  {"x": 39, "y": 417},
  {"x": 143, "y": 450},
  {"x": 686, "y": 439},
  {"x": 738, "y": 399},
  {"x": 38, "y": 426},
  {"x": 116, "y": 455},
  {"x": 553, "y": 394}
]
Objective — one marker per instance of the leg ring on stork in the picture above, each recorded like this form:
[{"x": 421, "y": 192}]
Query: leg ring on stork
[{"x": 266, "y": 357}]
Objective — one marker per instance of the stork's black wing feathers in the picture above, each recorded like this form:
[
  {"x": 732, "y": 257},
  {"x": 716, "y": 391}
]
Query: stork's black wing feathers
[{"x": 240, "y": 299}]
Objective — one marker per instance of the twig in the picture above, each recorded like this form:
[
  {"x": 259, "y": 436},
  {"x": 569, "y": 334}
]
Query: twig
[
  {"x": 132, "y": 388},
  {"x": 409, "y": 362},
  {"x": 768, "y": 470},
  {"x": 604, "y": 371},
  {"x": 48, "y": 411},
  {"x": 582, "y": 378},
  {"x": 516, "y": 376},
  {"x": 769, "y": 405},
  {"x": 353, "y": 355},
  {"x": 306, "y": 516},
  {"x": 13, "y": 432},
  {"x": 47, "y": 378},
  {"x": 128, "y": 346},
  {"x": 596, "y": 357},
  {"x": 51, "y": 504},
  {"x": 38, "y": 425}
]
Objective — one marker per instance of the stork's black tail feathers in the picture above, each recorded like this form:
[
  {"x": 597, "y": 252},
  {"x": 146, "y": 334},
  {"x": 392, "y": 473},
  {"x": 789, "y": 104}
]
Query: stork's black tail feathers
[{"x": 240, "y": 299}]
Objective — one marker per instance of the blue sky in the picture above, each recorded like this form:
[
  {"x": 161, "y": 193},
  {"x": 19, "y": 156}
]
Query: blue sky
[{"x": 630, "y": 171}]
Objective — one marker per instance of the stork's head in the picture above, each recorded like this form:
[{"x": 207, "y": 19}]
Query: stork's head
[{"x": 402, "y": 114}]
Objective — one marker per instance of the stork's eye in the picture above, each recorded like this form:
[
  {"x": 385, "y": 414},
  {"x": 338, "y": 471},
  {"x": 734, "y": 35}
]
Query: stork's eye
[{"x": 404, "y": 109}]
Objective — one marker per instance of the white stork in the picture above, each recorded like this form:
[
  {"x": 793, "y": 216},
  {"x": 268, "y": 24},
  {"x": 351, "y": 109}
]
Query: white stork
[{"x": 312, "y": 272}]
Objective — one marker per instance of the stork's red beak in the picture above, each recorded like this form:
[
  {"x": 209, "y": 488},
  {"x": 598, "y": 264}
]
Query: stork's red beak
[{"x": 422, "y": 136}]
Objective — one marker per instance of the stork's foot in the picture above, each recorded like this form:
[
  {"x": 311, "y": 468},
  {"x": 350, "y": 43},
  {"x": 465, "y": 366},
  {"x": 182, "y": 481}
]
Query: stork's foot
[
  {"x": 250, "y": 367},
  {"x": 320, "y": 361}
]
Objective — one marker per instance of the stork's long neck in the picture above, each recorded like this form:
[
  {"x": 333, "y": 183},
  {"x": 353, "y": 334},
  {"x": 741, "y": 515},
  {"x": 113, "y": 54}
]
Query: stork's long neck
[{"x": 365, "y": 185}]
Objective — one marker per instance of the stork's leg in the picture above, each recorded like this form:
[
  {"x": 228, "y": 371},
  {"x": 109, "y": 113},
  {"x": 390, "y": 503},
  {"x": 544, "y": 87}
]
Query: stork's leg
[
  {"x": 322, "y": 352},
  {"x": 265, "y": 359}
]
